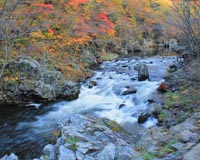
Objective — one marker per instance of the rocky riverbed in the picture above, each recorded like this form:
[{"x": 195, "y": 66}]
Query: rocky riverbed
[{"x": 177, "y": 135}]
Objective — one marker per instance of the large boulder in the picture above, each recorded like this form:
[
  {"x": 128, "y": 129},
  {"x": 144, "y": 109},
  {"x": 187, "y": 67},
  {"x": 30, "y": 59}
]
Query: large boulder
[
  {"x": 143, "y": 73},
  {"x": 70, "y": 90},
  {"x": 26, "y": 80}
]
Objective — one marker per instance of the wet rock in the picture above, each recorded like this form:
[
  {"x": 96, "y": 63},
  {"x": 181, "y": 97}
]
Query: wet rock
[
  {"x": 125, "y": 65},
  {"x": 193, "y": 153},
  {"x": 66, "y": 154},
  {"x": 92, "y": 84},
  {"x": 143, "y": 73},
  {"x": 172, "y": 68},
  {"x": 133, "y": 79},
  {"x": 137, "y": 66},
  {"x": 121, "y": 106},
  {"x": 12, "y": 156},
  {"x": 119, "y": 88},
  {"x": 163, "y": 87},
  {"x": 129, "y": 91},
  {"x": 143, "y": 118},
  {"x": 151, "y": 101},
  {"x": 49, "y": 151}
]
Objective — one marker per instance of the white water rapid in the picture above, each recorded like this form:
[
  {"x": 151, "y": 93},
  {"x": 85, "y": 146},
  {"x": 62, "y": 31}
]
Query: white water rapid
[{"x": 105, "y": 99}]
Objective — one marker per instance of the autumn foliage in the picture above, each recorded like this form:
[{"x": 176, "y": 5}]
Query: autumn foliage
[
  {"x": 42, "y": 5},
  {"x": 163, "y": 87},
  {"x": 61, "y": 30}
]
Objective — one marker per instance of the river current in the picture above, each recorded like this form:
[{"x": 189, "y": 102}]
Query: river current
[{"x": 26, "y": 132}]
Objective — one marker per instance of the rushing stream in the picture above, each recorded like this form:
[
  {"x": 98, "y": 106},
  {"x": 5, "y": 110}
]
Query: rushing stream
[{"x": 26, "y": 132}]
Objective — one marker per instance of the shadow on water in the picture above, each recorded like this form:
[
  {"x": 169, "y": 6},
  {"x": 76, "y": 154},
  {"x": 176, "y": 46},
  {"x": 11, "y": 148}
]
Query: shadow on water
[
  {"x": 22, "y": 140},
  {"x": 151, "y": 53}
]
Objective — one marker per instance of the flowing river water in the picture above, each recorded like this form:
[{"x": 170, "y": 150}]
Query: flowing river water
[{"x": 26, "y": 132}]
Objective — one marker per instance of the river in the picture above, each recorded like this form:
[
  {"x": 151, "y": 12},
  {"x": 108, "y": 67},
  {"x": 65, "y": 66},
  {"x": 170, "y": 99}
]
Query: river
[{"x": 26, "y": 131}]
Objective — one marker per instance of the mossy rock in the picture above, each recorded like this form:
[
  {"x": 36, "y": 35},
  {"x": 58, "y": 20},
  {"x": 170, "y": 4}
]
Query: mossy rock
[
  {"x": 162, "y": 116},
  {"x": 56, "y": 133},
  {"x": 114, "y": 126},
  {"x": 109, "y": 56}
]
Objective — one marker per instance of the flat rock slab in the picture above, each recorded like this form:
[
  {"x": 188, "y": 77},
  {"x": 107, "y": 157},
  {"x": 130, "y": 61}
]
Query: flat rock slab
[{"x": 193, "y": 154}]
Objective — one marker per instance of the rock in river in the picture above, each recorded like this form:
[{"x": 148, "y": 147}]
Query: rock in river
[
  {"x": 129, "y": 91},
  {"x": 143, "y": 73},
  {"x": 143, "y": 118}
]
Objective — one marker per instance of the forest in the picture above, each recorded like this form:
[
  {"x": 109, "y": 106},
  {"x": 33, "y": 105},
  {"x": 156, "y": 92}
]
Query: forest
[{"x": 64, "y": 33}]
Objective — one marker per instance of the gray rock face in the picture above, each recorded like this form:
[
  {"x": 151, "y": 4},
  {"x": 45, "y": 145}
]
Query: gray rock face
[
  {"x": 49, "y": 151},
  {"x": 108, "y": 153},
  {"x": 70, "y": 90},
  {"x": 194, "y": 153},
  {"x": 188, "y": 136},
  {"x": 25, "y": 80},
  {"x": 143, "y": 73},
  {"x": 12, "y": 156},
  {"x": 66, "y": 154},
  {"x": 86, "y": 138}
]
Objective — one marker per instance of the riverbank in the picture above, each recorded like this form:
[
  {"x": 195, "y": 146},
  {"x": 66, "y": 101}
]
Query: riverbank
[
  {"x": 175, "y": 137},
  {"x": 178, "y": 134}
]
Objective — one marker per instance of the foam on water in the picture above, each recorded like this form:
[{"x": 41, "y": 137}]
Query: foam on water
[
  {"x": 104, "y": 99},
  {"x": 32, "y": 126}
]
